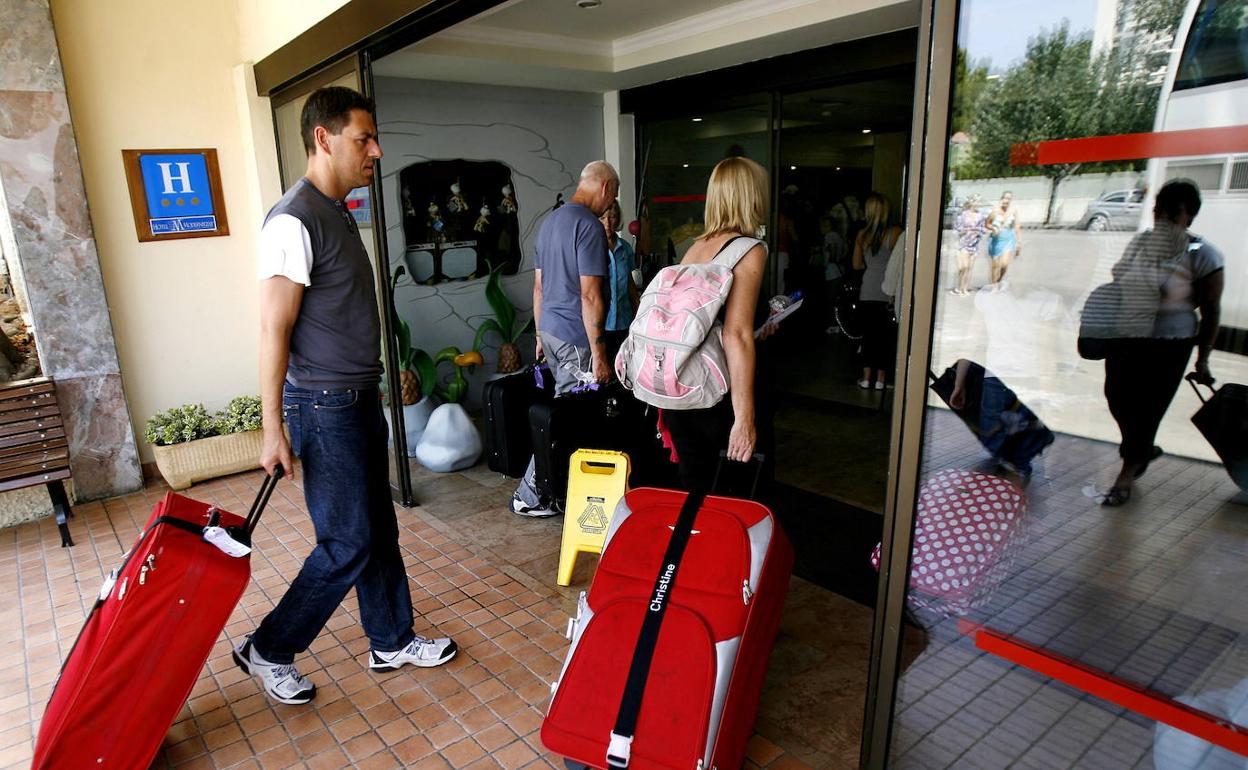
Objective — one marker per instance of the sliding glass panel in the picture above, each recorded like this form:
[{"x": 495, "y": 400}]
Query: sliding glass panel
[{"x": 1075, "y": 594}]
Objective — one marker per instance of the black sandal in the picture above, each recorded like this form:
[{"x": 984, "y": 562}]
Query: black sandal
[{"x": 1116, "y": 496}]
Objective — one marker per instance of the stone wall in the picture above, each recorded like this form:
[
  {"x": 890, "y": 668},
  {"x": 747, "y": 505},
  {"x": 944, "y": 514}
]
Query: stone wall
[{"x": 47, "y": 229}]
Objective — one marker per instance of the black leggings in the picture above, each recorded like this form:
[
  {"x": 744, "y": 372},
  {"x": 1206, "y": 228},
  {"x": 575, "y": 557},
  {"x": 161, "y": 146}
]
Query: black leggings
[
  {"x": 1141, "y": 378},
  {"x": 879, "y": 336},
  {"x": 701, "y": 434}
]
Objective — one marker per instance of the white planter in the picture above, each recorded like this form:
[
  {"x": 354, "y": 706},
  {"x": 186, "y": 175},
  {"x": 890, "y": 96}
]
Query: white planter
[
  {"x": 207, "y": 458},
  {"x": 450, "y": 442}
]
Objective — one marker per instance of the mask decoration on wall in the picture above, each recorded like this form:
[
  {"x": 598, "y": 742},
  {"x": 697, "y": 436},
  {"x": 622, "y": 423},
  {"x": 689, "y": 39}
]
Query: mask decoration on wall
[
  {"x": 408, "y": 209},
  {"x": 456, "y": 204},
  {"x": 483, "y": 221},
  {"x": 508, "y": 206},
  {"x": 433, "y": 222},
  {"x": 453, "y": 240}
]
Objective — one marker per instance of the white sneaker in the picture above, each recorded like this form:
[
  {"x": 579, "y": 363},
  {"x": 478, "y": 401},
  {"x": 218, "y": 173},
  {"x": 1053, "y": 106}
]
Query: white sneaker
[
  {"x": 281, "y": 681},
  {"x": 421, "y": 651},
  {"x": 519, "y": 508},
  {"x": 879, "y": 385},
  {"x": 864, "y": 384}
]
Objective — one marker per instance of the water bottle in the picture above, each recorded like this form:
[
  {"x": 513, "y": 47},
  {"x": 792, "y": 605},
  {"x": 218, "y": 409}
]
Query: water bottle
[{"x": 783, "y": 301}]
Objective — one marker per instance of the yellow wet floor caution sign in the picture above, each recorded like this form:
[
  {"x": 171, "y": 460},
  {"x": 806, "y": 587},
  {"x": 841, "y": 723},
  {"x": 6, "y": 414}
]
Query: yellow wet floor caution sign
[{"x": 597, "y": 479}]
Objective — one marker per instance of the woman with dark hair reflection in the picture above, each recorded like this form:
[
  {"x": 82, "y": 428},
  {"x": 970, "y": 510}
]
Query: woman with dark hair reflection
[{"x": 1166, "y": 278}]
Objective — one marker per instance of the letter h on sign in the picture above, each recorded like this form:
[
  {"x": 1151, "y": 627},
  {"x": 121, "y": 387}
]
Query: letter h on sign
[{"x": 175, "y": 193}]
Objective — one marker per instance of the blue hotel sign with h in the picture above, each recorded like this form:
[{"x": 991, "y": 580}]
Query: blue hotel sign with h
[{"x": 179, "y": 193}]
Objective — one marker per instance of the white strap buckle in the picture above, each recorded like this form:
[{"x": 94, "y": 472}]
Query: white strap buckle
[{"x": 618, "y": 750}]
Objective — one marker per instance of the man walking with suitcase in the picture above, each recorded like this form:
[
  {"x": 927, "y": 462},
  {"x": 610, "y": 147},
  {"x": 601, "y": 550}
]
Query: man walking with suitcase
[
  {"x": 320, "y": 366},
  {"x": 569, "y": 302}
]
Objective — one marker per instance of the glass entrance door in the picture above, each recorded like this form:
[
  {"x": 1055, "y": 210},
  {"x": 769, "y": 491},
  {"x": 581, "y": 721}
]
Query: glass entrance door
[{"x": 1072, "y": 567}]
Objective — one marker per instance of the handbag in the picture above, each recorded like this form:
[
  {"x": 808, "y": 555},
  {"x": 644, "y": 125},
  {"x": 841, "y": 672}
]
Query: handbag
[
  {"x": 1127, "y": 306},
  {"x": 1097, "y": 322}
]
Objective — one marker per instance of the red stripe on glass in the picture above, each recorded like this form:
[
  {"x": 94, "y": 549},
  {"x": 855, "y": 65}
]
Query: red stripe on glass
[
  {"x": 1159, "y": 144},
  {"x": 1141, "y": 700}
]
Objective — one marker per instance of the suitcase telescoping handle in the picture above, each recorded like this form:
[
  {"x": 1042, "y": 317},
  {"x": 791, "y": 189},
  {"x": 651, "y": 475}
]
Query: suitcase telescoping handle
[
  {"x": 757, "y": 459},
  {"x": 262, "y": 499},
  {"x": 1196, "y": 382}
]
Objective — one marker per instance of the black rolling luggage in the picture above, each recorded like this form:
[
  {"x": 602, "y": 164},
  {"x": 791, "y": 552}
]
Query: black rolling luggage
[
  {"x": 508, "y": 446},
  {"x": 1010, "y": 431},
  {"x": 1223, "y": 420},
  {"x": 603, "y": 418}
]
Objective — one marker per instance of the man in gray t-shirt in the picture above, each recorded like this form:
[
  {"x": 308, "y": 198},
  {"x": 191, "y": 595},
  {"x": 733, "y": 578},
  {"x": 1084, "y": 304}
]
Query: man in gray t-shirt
[
  {"x": 569, "y": 301},
  {"x": 320, "y": 351}
]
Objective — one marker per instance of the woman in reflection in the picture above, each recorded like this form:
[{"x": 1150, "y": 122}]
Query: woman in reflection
[
  {"x": 1004, "y": 239},
  {"x": 1177, "y": 278},
  {"x": 970, "y": 229},
  {"x": 623, "y": 290},
  {"x": 872, "y": 248}
]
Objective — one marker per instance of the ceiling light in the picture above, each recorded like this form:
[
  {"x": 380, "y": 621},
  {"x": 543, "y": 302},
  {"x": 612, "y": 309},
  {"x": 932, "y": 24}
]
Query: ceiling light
[
  {"x": 792, "y": 168},
  {"x": 838, "y": 168},
  {"x": 826, "y": 113},
  {"x": 588, "y": 3},
  {"x": 684, "y": 165},
  {"x": 697, "y": 120},
  {"x": 866, "y": 130}
]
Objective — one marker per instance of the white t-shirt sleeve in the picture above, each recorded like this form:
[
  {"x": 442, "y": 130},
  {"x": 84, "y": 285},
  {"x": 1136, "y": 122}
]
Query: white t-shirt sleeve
[{"x": 286, "y": 249}]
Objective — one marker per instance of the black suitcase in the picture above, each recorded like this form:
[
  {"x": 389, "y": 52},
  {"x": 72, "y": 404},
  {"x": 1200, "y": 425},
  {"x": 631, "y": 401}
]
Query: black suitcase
[
  {"x": 1223, "y": 420},
  {"x": 605, "y": 418},
  {"x": 1011, "y": 432},
  {"x": 508, "y": 446}
]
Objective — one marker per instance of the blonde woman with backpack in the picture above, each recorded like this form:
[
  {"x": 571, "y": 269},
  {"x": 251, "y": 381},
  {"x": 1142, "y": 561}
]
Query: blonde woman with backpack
[{"x": 677, "y": 349}]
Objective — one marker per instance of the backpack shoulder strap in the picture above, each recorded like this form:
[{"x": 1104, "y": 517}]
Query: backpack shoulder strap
[{"x": 734, "y": 249}]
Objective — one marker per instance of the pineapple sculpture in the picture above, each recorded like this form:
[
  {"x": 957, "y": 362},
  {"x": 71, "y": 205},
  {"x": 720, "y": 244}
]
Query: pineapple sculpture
[
  {"x": 417, "y": 371},
  {"x": 504, "y": 323}
]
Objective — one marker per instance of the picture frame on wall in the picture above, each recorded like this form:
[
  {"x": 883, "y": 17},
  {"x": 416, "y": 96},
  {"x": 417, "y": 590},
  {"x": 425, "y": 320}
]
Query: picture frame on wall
[{"x": 175, "y": 194}]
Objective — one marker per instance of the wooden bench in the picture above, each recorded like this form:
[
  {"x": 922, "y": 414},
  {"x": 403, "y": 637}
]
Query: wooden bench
[{"x": 33, "y": 446}]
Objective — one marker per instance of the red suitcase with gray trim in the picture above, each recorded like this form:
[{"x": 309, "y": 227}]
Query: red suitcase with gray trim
[
  {"x": 146, "y": 639},
  {"x": 700, "y": 690}
]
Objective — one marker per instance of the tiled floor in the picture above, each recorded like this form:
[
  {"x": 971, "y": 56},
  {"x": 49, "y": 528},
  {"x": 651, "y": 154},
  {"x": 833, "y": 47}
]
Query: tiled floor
[
  {"x": 483, "y": 710},
  {"x": 1150, "y": 592}
]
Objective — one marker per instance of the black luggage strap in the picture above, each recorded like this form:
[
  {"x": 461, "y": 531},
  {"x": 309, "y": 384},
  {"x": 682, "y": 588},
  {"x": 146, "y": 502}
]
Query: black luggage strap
[{"x": 619, "y": 749}]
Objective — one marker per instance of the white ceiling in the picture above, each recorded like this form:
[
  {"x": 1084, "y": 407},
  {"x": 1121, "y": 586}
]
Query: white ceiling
[
  {"x": 628, "y": 43},
  {"x": 609, "y": 21}
]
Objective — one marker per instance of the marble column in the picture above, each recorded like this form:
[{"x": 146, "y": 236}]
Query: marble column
[{"x": 46, "y": 203}]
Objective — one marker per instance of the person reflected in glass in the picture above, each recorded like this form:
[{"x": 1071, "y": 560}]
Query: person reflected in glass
[
  {"x": 872, "y": 248},
  {"x": 970, "y": 228},
  {"x": 624, "y": 293},
  {"x": 1005, "y": 240},
  {"x": 1177, "y": 278}
]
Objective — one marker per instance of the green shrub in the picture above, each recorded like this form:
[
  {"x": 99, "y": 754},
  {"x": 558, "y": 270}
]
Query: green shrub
[
  {"x": 240, "y": 415},
  {"x": 179, "y": 424},
  {"x": 192, "y": 421}
]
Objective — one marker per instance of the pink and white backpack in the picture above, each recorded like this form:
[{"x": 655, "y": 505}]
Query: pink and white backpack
[{"x": 673, "y": 357}]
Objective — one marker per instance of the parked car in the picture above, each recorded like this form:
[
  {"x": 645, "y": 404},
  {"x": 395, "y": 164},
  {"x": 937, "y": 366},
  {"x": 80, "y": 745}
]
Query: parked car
[{"x": 1119, "y": 210}]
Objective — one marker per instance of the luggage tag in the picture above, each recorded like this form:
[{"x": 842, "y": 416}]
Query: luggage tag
[{"x": 222, "y": 540}]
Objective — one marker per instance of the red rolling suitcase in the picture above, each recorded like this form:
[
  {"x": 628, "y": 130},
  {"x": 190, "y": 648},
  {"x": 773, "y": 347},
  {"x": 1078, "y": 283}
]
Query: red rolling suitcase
[
  {"x": 147, "y": 637},
  {"x": 667, "y": 672}
]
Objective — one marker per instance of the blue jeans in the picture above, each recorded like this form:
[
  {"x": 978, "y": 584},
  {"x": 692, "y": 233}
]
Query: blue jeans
[
  {"x": 341, "y": 437},
  {"x": 571, "y": 366}
]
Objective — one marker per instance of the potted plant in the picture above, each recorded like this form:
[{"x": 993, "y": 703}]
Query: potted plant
[
  {"x": 417, "y": 375},
  {"x": 450, "y": 441},
  {"x": 504, "y": 323},
  {"x": 192, "y": 445}
]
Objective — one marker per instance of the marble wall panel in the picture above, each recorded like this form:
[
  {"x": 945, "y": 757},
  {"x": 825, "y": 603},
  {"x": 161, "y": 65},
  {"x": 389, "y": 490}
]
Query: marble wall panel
[
  {"x": 47, "y": 207},
  {"x": 29, "y": 57},
  {"x": 104, "y": 460},
  {"x": 66, "y": 294},
  {"x": 41, "y": 173}
]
